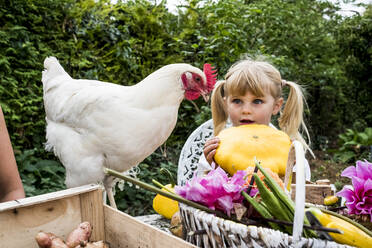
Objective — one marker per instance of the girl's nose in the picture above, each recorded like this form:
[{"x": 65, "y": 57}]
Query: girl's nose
[{"x": 246, "y": 109}]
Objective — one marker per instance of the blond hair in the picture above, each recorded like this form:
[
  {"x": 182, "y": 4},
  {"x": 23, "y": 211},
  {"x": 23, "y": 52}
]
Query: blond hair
[{"x": 259, "y": 77}]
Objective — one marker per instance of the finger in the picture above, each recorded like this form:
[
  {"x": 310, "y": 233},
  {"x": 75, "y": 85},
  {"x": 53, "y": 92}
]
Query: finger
[
  {"x": 215, "y": 141},
  {"x": 209, "y": 148},
  {"x": 210, "y": 156},
  {"x": 208, "y": 142},
  {"x": 212, "y": 140}
]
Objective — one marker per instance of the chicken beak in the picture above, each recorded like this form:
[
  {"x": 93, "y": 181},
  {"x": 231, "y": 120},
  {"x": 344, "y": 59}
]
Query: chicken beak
[{"x": 205, "y": 96}]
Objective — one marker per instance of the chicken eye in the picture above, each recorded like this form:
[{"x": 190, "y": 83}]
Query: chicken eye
[{"x": 198, "y": 79}]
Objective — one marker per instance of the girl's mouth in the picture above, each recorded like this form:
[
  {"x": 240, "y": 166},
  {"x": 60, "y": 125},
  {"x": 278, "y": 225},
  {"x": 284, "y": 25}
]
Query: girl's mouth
[{"x": 246, "y": 122}]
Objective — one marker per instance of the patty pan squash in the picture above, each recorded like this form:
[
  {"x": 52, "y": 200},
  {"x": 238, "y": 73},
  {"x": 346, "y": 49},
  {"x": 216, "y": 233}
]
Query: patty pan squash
[
  {"x": 164, "y": 205},
  {"x": 240, "y": 145}
]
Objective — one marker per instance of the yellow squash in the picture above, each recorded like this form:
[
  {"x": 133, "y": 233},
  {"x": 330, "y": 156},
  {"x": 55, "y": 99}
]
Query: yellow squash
[
  {"x": 352, "y": 235},
  {"x": 240, "y": 145},
  {"x": 164, "y": 205},
  {"x": 330, "y": 200}
]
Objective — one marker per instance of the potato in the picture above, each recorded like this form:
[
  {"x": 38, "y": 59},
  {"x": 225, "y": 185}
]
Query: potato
[
  {"x": 44, "y": 240},
  {"x": 79, "y": 236},
  {"x": 57, "y": 242},
  {"x": 98, "y": 244},
  {"x": 176, "y": 227},
  {"x": 49, "y": 240}
]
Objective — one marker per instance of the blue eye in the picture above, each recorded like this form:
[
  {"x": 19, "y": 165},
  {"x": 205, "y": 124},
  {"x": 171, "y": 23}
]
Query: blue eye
[
  {"x": 257, "y": 101},
  {"x": 236, "y": 101}
]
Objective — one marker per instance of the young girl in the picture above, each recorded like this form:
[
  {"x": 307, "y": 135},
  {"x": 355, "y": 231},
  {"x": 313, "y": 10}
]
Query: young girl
[{"x": 252, "y": 93}]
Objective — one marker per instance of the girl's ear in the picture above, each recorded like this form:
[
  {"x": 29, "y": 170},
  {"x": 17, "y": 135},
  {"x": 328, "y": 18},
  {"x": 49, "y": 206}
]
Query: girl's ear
[{"x": 278, "y": 105}]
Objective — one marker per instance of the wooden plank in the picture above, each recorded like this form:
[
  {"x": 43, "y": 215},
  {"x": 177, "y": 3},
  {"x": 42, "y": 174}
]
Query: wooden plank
[
  {"x": 20, "y": 225},
  {"x": 47, "y": 197},
  {"x": 123, "y": 230},
  {"x": 91, "y": 207},
  {"x": 314, "y": 193}
]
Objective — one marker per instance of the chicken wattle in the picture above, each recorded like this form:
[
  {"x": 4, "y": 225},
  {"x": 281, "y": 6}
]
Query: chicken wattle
[{"x": 93, "y": 124}]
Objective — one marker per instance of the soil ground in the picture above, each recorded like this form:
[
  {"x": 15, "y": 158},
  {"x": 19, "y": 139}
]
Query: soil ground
[{"x": 322, "y": 167}]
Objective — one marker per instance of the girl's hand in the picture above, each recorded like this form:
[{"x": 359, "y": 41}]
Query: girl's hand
[{"x": 210, "y": 147}]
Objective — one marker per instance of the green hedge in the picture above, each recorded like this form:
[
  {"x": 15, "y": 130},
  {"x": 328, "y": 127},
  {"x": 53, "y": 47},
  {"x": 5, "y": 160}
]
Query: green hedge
[{"x": 122, "y": 43}]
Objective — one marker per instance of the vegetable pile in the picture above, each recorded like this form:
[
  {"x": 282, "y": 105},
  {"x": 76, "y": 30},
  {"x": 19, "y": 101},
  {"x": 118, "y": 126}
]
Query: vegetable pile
[
  {"x": 272, "y": 205},
  {"x": 78, "y": 238}
]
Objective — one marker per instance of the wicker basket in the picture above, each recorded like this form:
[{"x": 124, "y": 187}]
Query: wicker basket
[{"x": 206, "y": 230}]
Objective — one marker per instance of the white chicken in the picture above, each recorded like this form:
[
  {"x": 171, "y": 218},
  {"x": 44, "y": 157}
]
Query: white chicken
[{"x": 93, "y": 124}]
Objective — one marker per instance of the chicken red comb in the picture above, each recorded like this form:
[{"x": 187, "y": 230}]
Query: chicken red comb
[{"x": 211, "y": 75}]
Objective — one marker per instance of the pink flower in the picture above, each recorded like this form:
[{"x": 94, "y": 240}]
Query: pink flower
[
  {"x": 216, "y": 190},
  {"x": 359, "y": 199}
]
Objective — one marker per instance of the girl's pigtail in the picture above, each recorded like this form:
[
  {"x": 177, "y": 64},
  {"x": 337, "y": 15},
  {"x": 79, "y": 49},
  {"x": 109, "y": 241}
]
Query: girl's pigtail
[
  {"x": 291, "y": 118},
  {"x": 219, "y": 112}
]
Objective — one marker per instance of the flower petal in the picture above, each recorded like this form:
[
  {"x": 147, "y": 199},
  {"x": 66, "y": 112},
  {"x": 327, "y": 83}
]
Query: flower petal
[
  {"x": 367, "y": 188},
  {"x": 358, "y": 184},
  {"x": 351, "y": 199},
  {"x": 347, "y": 193},
  {"x": 349, "y": 172},
  {"x": 253, "y": 192},
  {"x": 231, "y": 188},
  {"x": 238, "y": 178},
  {"x": 364, "y": 169},
  {"x": 364, "y": 205},
  {"x": 216, "y": 190},
  {"x": 225, "y": 203},
  {"x": 220, "y": 173}
]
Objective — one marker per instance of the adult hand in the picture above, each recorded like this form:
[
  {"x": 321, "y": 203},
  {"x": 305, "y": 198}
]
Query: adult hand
[{"x": 210, "y": 147}]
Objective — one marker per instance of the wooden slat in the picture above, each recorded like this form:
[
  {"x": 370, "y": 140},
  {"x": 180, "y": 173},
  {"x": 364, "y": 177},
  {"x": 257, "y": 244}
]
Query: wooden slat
[
  {"x": 314, "y": 193},
  {"x": 91, "y": 207},
  {"x": 47, "y": 197},
  {"x": 18, "y": 227},
  {"x": 123, "y": 230}
]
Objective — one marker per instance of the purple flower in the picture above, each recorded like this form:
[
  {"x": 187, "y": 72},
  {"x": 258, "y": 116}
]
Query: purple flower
[
  {"x": 359, "y": 199},
  {"x": 215, "y": 190}
]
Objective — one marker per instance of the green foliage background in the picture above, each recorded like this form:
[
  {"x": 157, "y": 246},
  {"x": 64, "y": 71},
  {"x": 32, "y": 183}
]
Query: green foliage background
[{"x": 122, "y": 43}]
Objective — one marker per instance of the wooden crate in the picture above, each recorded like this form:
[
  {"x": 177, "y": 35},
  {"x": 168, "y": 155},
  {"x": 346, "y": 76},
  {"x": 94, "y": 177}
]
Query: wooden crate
[
  {"x": 60, "y": 212},
  {"x": 315, "y": 193}
]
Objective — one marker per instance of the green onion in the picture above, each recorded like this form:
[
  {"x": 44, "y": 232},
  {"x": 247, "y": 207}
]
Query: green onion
[
  {"x": 272, "y": 203},
  {"x": 277, "y": 190},
  {"x": 286, "y": 203},
  {"x": 261, "y": 210}
]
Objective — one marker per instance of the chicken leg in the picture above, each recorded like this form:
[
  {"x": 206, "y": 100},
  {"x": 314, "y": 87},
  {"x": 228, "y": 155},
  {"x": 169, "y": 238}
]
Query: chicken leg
[{"x": 108, "y": 183}]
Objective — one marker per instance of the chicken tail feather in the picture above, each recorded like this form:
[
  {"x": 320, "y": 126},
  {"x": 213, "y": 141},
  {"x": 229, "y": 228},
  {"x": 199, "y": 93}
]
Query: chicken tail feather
[{"x": 52, "y": 69}]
